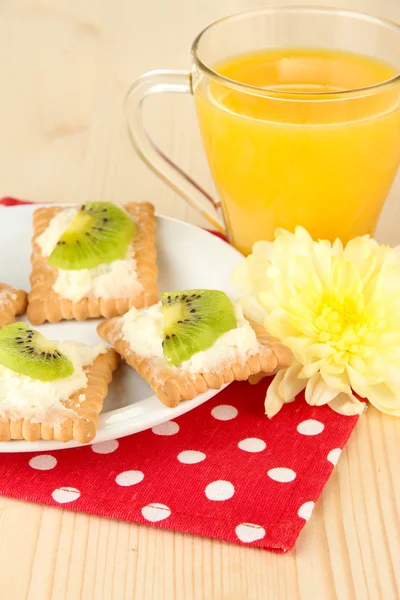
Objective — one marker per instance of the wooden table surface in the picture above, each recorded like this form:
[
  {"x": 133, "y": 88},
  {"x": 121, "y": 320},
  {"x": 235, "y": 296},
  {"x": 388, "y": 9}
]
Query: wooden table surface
[{"x": 65, "y": 66}]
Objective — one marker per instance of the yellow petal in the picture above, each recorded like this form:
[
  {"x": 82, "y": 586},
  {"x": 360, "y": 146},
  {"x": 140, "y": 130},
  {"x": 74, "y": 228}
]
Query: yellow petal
[
  {"x": 322, "y": 261},
  {"x": 280, "y": 325},
  {"x": 267, "y": 300},
  {"x": 367, "y": 270},
  {"x": 359, "y": 249},
  {"x": 330, "y": 368},
  {"x": 303, "y": 235},
  {"x": 344, "y": 275},
  {"x": 240, "y": 277},
  {"x": 252, "y": 309},
  {"x": 357, "y": 363},
  {"x": 337, "y": 248},
  {"x": 383, "y": 398},
  {"x": 264, "y": 249},
  {"x": 395, "y": 412},
  {"x": 311, "y": 369},
  {"x": 300, "y": 348},
  {"x": 273, "y": 399},
  {"x": 290, "y": 384},
  {"x": 299, "y": 271},
  {"x": 389, "y": 278},
  {"x": 360, "y": 382},
  {"x": 336, "y": 382},
  {"x": 347, "y": 404},
  {"x": 317, "y": 392},
  {"x": 321, "y": 350}
]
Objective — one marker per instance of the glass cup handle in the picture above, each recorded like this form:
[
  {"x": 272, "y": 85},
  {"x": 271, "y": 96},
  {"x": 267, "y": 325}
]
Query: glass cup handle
[{"x": 155, "y": 82}]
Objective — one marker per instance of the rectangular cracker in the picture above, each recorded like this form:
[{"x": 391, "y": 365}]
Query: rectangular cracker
[
  {"x": 44, "y": 304},
  {"x": 173, "y": 385},
  {"x": 81, "y": 428},
  {"x": 12, "y": 303}
]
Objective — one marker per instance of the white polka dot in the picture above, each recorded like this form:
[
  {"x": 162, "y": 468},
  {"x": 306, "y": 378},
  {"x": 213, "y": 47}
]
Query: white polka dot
[
  {"x": 282, "y": 474},
  {"x": 168, "y": 428},
  {"x": 219, "y": 490},
  {"x": 333, "y": 455},
  {"x": 43, "y": 462},
  {"x": 127, "y": 478},
  {"x": 156, "y": 512},
  {"x": 224, "y": 412},
  {"x": 248, "y": 532},
  {"x": 305, "y": 510},
  {"x": 105, "y": 447},
  {"x": 310, "y": 427},
  {"x": 191, "y": 457},
  {"x": 252, "y": 445},
  {"x": 65, "y": 494}
]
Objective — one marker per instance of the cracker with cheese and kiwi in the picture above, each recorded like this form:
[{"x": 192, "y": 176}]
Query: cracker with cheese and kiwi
[
  {"x": 51, "y": 390},
  {"x": 96, "y": 260},
  {"x": 13, "y": 302},
  {"x": 192, "y": 341}
]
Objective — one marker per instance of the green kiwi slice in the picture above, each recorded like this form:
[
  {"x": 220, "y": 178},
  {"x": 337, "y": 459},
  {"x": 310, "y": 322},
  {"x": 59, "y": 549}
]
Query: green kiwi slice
[
  {"x": 26, "y": 351},
  {"x": 193, "y": 321},
  {"x": 99, "y": 233}
]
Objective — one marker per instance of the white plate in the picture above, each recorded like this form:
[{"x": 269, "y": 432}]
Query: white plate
[{"x": 188, "y": 257}]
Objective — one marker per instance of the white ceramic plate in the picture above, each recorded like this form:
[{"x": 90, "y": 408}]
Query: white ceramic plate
[{"x": 188, "y": 257}]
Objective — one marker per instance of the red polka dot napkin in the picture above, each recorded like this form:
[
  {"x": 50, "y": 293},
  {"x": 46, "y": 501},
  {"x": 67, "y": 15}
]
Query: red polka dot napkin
[{"x": 222, "y": 470}]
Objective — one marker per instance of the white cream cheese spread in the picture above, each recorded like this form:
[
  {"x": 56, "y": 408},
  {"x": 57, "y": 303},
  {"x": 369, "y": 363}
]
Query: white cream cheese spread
[
  {"x": 117, "y": 279},
  {"x": 42, "y": 401},
  {"x": 143, "y": 330}
]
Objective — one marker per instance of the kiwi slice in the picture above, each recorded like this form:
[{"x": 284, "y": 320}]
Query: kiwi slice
[
  {"x": 193, "y": 321},
  {"x": 99, "y": 233},
  {"x": 26, "y": 351}
]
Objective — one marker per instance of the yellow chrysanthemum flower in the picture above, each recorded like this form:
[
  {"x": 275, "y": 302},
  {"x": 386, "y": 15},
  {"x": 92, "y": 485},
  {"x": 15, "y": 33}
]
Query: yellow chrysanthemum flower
[{"x": 337, "y": 309}]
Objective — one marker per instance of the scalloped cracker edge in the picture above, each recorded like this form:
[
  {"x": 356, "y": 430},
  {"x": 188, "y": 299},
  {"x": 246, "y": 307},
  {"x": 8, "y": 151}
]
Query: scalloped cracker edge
[
  {"x": 173, "y": 385},
  {"x": 82, "y": 428},
  {"x": 46, "y": 305},
  {"x": 12, "y": 304}
]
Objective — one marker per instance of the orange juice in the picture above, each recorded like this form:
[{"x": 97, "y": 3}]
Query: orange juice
[{"x": 281, "y": 159}]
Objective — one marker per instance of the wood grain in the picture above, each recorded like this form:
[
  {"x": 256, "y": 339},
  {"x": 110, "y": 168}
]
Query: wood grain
[{"x": 65, "y": 66}]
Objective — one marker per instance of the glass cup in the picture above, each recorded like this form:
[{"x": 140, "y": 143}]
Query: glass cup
[{"x": 324, "y": 159}]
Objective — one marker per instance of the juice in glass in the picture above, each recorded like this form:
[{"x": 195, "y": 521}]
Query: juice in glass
[{"x": 293, "y": 157}]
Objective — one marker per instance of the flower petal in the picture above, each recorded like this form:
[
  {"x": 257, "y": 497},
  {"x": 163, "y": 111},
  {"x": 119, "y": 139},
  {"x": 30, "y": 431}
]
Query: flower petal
[
  {"x": 264, "y": 250},
  {"x": 347, "y": 404},
  {"x": 273, "y": 399},
  {"x": 359, "y": 249},
  {"x": 252, "y": 309},
  {"x": 345, "y": 276},
  {"x": 241, "y": 277},
  {"x": 395, "y": 412},
  {"x": 336, "y": 382},
  {"x": 337, "y": 248},
  {"x": 389, "y": 278},
  {"x": 321, "y": 350},
  {"x": 360, "y": 382},
  {"x": 299, "y": 346},
  {"x": 280, "y": 325},
  {"x": 317, "y": 392},
  {"x": 311, "y": 369},
  {"x": 383, "y": 398},
  {"x": 322, "y": 260},
  {"x": 290, "y": 385}
]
